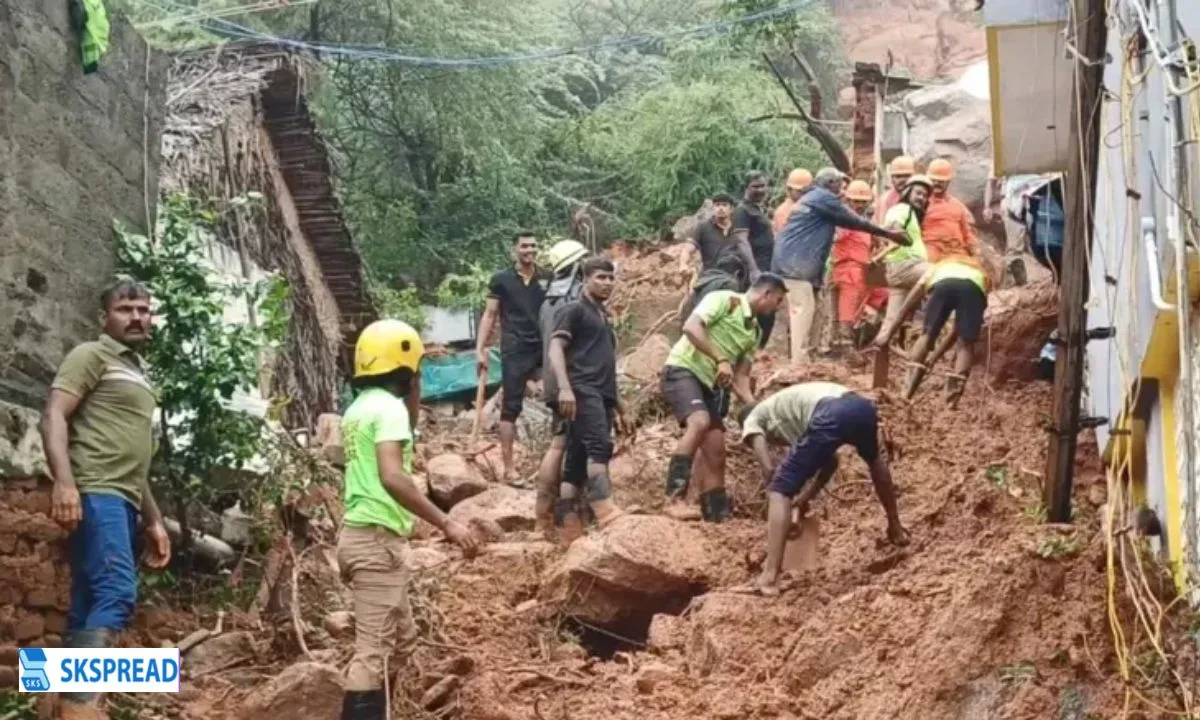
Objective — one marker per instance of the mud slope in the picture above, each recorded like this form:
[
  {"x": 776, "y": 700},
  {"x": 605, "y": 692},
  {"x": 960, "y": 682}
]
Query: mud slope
[{"x": 932, "y": 39}]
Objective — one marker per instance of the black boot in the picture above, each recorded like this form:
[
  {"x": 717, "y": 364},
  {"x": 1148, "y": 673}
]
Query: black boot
[
  {"x": 714, "y": 506},
  {"x": 364, "y": 705},
  {"x": 678, "y": 474}
]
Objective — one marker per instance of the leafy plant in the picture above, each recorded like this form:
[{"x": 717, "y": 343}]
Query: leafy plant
[
  {"x": 465, "y": 291},
  {"x": 17, "y": 706},
  {"x": 1018, "y": 673},
  {"x": 399, "y": 304},
  {"x": 1052, "y": 547},
  {"x": 198, "y": 356}
]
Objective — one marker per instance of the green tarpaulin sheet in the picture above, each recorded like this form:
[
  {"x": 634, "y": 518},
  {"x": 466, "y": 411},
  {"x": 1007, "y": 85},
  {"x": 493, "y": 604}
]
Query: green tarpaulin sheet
[{"x": 443, "y": 377}]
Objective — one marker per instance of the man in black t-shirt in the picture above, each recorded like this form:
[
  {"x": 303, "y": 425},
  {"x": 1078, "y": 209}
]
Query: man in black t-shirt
[
  {"x": 583, "y": 358},
  {"x": 515, "y": 296},
  {"x": 752, "y": 225},
  {"x": 717, "y": 243}
]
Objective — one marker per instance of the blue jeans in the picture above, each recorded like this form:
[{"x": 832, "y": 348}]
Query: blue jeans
[
  {"x": 846, "y": 420},
  {"x": 104, "y": 580}
]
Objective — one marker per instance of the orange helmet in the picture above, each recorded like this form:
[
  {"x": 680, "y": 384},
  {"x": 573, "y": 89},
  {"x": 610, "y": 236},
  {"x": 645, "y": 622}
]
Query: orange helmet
[
  {"x": 799, "y": 179},
  {"x": 859, "y": 190},
  {"x": 902, "y": 165},
  {"x": 940, "y": 170}
]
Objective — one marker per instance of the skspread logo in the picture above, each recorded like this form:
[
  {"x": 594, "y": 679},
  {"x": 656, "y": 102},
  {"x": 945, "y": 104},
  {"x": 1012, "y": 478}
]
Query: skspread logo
[{"x": 84, "y": 670}]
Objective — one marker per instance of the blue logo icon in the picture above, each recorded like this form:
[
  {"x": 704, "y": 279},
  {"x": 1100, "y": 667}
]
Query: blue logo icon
[{"x": 33, "y": 670}]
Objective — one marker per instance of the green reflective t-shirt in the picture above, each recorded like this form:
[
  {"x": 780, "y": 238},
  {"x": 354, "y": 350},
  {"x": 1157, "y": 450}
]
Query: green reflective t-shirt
[
  {"x": 731, "y": 328},
  {"x": 904, "y": 217},
  {"x": 376, "y": 416}
]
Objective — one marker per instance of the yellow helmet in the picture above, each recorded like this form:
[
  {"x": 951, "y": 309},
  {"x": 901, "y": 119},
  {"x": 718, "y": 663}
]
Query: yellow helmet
[
  {"x": 565, "y": 253},
  {"x": 387, "y": 345}
]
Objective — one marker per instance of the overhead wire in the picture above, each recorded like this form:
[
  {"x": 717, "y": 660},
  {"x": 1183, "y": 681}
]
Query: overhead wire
[{"x": 377, "y": 53}]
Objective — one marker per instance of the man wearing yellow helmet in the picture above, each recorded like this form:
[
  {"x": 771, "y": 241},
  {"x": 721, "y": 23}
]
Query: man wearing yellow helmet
[
  {"x": 381, "y": 501},
  {"x": 515, "y": 297}
]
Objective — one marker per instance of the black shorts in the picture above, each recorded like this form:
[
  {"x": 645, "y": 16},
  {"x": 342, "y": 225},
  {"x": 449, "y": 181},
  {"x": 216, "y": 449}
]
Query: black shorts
[
  {"x": 687, "y": 395},
  {"x": 849, "y": 419},
  {"x": 517, "y": 368},
  {"x": 961, "y": 297},
  {"x": 589, "y": 437}
]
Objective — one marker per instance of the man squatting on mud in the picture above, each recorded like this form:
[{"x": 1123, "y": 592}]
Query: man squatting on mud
[{"x": 815, "y": 419}]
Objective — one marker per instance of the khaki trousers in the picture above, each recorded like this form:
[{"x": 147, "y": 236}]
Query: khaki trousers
[
  {"x": 371, "y": 561},
  {"x": 902, "y": 277},
  {"x": 804, "y": 325},
  {"x": 1015, "y": 239}
]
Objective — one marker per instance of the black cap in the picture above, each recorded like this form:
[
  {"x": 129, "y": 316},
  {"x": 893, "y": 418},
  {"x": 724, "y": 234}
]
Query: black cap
[
  {"x": 771, "y": 281},
  {"x": 725, "y": 198}
]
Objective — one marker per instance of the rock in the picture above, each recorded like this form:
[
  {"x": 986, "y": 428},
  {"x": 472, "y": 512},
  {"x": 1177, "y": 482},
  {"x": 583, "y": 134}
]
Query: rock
[
  {"x": 1020, "y": 320},
  {"x": 452, "y": 479},
  {"x": 533, "y": 425},
  {"x": 647, "y": 360},
  {"x": 567, "y": 652},
  {"x": 21, "y": 453},
  {"x": 486, "y": 530},
  {"x": 665, "y": 633},
  {"x": 425, "y": 558},
  {"x": 460, "y": 665},
  {"x": 947, "y": 121},
  {"x": 638, "y": 566},
  {"x": 303, "y": 690},
  {"x": 651, "y": 675},
  {"x": 685, "y": 227},
  {"x": 219, "y": 652},
  {"x": 508, "y": 507},
  {"x": 339, "y": 623}
]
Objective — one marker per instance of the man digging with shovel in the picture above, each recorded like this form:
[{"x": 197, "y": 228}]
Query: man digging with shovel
[{"x": 815, "y": 419}]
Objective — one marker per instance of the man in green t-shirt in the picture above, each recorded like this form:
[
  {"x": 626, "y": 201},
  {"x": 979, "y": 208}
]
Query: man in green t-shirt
[
  {"x": 713, "y": 356},
  {"x": 906, "y": 263},
  {"x": 381, "y": 501},
  {"x": 97, "y": 432}
]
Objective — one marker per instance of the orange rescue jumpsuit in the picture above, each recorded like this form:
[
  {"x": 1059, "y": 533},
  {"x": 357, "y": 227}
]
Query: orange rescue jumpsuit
[
  {"x": 851, "y": 254},
  {"x": 948, "y": 228}
]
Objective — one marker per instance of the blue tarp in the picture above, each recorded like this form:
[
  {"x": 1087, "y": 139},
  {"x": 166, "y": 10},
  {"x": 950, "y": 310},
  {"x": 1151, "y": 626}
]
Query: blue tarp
[{"x": 443, "y": 377}]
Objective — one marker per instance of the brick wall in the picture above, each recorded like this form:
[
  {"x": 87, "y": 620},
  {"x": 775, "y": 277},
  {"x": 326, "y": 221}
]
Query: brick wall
[{"x": 74, "y": 150}]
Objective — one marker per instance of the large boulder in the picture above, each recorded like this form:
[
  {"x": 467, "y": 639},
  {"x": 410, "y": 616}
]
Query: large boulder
[
  {"x": 948, "y": 121},
  {"x": 647, "y": 360},
  {"x": 620, "y": 577},
  {"x": 508, "y": 507},
  {"x": 304, "y": 690},
  {"x": 1020, "y": 320},
  {"x": 452, "y": 479}
]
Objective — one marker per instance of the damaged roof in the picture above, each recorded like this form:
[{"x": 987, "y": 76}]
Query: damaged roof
[{"x": 205, "y": 87}]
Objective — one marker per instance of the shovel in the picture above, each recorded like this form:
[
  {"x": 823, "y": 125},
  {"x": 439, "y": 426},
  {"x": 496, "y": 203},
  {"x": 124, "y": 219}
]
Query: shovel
[{"x": 802, "y": 551}]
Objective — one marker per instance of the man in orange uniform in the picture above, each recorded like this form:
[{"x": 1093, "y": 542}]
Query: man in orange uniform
[
  {"x": 797, "y": 181},
  {"x": 851, "y": 255},
  {"x": 900, "y": 169},
  {"x": 948, "y": 228}
]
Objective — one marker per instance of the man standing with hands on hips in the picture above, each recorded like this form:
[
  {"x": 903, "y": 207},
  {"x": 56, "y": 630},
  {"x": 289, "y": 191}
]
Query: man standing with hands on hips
[{"x": 97, "y": 432}]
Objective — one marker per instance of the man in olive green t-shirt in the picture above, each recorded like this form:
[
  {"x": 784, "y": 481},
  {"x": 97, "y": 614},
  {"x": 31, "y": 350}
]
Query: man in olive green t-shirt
[{"x": 97, "y": 431}]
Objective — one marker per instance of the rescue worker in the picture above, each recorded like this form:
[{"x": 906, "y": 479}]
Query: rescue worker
[
  {"x": 715, "y": 239},
  {"x": 900, "y": 170},
  {"x": 514, "y": 296},
  {"x": 753, "y": 225},
  {"x": 1002, "y": 202},
  {"x": 803, "y": 249},
  {"x": 97, "y": 433},
  {"x": 381, "y": 502},
  {"x": 905, "y": 265},
  {"x": 956, "y": 285},
  {"x": 948, "y": 228},
  {"x": 814, "y": 419},
  {"x": 797, "y": 181},
  {"x": 583, "y": 359},
  {"x": 851, "y": 254},
  {"x": 712, "y": 358},
  {"x": 566, "y": 261}
]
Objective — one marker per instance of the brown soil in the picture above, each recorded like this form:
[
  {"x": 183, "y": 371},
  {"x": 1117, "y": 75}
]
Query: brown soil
[
  {"x": 988, "y": 614},
  {"x": 931, "y": 39}
]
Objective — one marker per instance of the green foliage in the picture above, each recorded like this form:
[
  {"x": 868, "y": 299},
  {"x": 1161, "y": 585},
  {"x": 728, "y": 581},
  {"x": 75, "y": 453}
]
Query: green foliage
[
  {"x": 197, "y": 357},
  {"x": 1054, "y": 547},
  {"x": 399, "y": 305},
  {"x": 465, "y": 291},
  {"x": 17, "y": 706},
  {"x": 1018, "y": 673}
]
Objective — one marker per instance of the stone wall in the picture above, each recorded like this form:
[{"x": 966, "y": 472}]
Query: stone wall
[{"x": 76, "y": 153}]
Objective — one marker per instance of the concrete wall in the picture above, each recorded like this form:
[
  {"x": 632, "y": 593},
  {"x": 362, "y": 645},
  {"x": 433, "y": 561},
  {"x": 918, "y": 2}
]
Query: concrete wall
[{"x": 74, "y": 153}]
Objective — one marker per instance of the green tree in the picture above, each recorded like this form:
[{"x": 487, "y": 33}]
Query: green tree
[{"x": 197, "y": 358}]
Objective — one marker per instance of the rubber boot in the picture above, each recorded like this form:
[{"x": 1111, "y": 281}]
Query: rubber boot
[
  {"x": 954, "y": 389},
  {"x": 916, "y": 374},
  {"x": 1016, "y": 268},
  {"x": 364, "y": 705},
  {"x": 85, "y": 706},
  {"x": 679, "y": 472},
  {"x": 714, "y": 506}
]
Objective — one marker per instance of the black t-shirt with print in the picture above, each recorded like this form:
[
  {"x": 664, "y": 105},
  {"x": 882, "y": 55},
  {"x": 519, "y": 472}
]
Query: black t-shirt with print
[
  {"x": 520, "y": 305},
  {"x": 591, "y": 350}
]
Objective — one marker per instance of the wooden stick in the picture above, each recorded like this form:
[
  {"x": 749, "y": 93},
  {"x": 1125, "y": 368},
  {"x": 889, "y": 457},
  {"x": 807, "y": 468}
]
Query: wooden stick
[
  {"x": 480, "y": 394},
  {"x": 883, "y": 362}
]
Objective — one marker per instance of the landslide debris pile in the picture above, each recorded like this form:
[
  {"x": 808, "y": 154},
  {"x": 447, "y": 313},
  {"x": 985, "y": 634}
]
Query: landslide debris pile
[{"x": 988, "y": 614}]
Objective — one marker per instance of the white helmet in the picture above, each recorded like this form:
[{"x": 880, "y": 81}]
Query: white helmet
[{"x": 565, "y": 253}]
